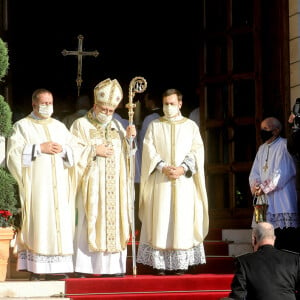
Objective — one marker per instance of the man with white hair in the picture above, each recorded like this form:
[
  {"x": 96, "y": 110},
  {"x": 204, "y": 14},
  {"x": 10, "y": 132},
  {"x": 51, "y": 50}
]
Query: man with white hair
[
  {"x": 267, "y": 273},
  {"x": 103, "y": 198}
]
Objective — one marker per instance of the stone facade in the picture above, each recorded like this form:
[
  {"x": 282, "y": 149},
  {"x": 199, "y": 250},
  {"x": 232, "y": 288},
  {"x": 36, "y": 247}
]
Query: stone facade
[{"x": 294, "y": 40}]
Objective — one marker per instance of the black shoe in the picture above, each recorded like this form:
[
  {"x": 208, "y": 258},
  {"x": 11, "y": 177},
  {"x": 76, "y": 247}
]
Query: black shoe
[
  {"x": 160, "y": 272},
  {"x": 34, "y": 277},
  {"x": 79, "y": 275},
  {"x": 112, "y": 275},
  {"x": 56, "y": 276},
  {"x": 179, "y": 272}
]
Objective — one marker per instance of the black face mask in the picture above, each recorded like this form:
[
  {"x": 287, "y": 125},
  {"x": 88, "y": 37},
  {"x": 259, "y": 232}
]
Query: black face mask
[{"x": 266, "y": 135}]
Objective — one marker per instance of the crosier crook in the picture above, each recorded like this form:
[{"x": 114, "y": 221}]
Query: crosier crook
[{"x": 137, "y": 85}]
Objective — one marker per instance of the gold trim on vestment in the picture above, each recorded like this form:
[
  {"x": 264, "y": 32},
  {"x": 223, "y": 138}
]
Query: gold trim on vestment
[
  {"x": 107, "y": 134},
  {"x": 55, "y": 194},
  {"x": 40, "y": 121},
  {"x": 173, "y": 124},
  {"x": 163, "y": 119},
  {"x": 45, "y": 123}
]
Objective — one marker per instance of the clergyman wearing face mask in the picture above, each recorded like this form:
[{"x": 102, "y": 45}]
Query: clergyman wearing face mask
[
  {"x": 103, "y": 227},
  {"x": 43, "y": 106},
  {"x": 41, "y": 153},
  {"x": 272, "y": 178}
]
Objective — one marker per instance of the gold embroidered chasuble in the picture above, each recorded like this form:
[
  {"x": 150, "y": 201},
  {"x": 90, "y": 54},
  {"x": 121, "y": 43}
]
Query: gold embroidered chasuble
[
  {"x": 174, "y": 213},
  {"x": 104, "y": 188},
  {"x": 45, "y": 188}
]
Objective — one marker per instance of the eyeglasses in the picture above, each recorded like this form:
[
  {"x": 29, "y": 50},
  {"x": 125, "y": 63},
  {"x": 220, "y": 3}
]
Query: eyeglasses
[{"x": 105, "y": 110}]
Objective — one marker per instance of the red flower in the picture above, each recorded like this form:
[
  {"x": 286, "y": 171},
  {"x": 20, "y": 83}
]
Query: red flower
[{"x": 5, "y": 214}]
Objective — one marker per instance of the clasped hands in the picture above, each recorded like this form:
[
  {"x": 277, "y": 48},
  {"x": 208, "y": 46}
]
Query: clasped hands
[
  {"x": 51, "y": 148},
  {"x": 104, "y": 150},
  {"x": 173, "y": 172}
]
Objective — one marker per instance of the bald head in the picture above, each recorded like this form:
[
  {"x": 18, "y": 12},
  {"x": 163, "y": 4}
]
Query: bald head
[{"x": 271, "y": 123}]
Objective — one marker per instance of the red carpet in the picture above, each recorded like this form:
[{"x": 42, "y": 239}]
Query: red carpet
[
  {"x": 200, "y": 286},
  {"x": 210, "y": 281},
  {"x": 214, "y": 265}
]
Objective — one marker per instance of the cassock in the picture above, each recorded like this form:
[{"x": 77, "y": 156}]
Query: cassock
[
  {"x": 103, "y": 200},
  {"x": 45, "y": 238},
  {"x": 274, "y": 169},
  {"x": 174, "y": 213}
]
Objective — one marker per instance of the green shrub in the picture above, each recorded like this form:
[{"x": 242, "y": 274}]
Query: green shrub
[
  {"x": 8, "y": 199},
  {"x": 6, "y": 118},
  {"x": 3, "y": 59}
]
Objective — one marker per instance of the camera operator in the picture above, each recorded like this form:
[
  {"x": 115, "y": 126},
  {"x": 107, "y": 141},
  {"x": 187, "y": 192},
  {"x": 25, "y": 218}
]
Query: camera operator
[
  {"x": 293, "y": 145},
  {"x": 293, "y": 140}
]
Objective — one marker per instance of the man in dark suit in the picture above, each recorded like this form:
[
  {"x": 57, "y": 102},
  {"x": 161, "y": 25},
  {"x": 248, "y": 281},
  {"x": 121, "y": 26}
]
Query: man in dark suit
[{"x": 267, "y": 273}]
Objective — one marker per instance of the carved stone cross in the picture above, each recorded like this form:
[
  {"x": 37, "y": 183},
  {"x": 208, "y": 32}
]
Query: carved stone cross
[{"x": 80, "y": 53}]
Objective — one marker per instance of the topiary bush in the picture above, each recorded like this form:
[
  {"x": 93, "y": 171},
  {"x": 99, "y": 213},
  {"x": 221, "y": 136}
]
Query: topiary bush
[
  {"x": 4, "y": 62},
  {"x": 5, "y": 111},
  {"x": 6, "y": 117},
  {"x": 9, "y": 200}
]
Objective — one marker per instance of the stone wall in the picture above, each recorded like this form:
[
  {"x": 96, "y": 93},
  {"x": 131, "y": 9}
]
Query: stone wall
[{"x": 294, "y": 40}]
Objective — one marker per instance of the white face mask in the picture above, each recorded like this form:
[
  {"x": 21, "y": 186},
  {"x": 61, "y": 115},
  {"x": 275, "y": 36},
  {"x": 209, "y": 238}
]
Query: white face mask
[
  {"x": 170, "y": 111},
  {"x": 103, "y": 118},
  {"x": 46, "y": 110}
]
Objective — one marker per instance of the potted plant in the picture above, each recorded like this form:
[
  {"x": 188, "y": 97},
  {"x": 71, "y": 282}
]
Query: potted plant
[
  {"x": 8, "y": 213},
  {"x": 8, "y": 199},
  {"x": 8, "y": 185}
]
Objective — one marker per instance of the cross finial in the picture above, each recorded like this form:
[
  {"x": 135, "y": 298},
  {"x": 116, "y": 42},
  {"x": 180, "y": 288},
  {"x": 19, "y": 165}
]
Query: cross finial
[{"x": 80, "y": 53}]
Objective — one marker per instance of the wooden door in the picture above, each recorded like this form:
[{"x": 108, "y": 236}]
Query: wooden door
[{"x": 235, "y": 96}]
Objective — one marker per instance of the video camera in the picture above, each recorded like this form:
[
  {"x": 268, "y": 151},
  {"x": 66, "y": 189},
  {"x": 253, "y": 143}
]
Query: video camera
[{"x": 296, "y": 112}]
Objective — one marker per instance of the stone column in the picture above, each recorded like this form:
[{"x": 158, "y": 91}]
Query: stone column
[{"x": 294, "y": 40}]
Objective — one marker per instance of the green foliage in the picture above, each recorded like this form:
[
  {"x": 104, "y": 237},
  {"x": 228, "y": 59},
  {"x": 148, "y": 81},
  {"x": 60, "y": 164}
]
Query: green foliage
[
  {"x": 3, "y": 59},
  {"x": 8, "y": 198},
  {"x": 6, "y": 118},
  {"x": 5, "y": 111}
]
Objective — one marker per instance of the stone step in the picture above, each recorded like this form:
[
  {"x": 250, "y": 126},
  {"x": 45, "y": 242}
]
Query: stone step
[
  {"x": 236, "y": 249},
  {"x": 239, "y": 241},
  {"x": 31, "y": 290},
  {"x": 237, "y": 235}
]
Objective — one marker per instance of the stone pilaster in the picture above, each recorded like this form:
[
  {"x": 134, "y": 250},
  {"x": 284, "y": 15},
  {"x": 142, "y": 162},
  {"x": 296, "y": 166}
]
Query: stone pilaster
[{"x": 294, "y": 40}]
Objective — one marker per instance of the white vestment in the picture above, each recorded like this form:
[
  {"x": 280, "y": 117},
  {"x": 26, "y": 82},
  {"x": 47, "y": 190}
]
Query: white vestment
[
  {"x": 274, "y": 169},
  {"x": 174, "y": 213},
  {"x": 45, "y": 239},
  {"x": 103, "y": 199}
]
